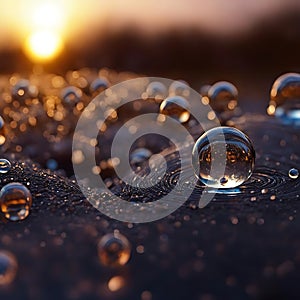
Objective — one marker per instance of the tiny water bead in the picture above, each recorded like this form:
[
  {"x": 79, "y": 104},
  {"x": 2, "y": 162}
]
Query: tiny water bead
[
  {"x": 15, "y": 201},
  {"x": 98, "y": 86},
  {"x": 23, "y": 90},
  {"x": 139, "y": 156},
  {"x": 114, "y": 250},
  {"x": 5, "y": 165},
  {"x": 179, "y": 88},
  {"x": 8, "y": 267},
  {"x": 156, "y": 90},
  {"x": 176, "y": 107},
  {"x": 223, "y": 96},
  {"x": 285, "y": 97},
  {"x": 229, "y": 151},
  {"x": 2, "y": 132},
  {"x": 293, "y": 173},
  {"x": 71, "y": 95}
]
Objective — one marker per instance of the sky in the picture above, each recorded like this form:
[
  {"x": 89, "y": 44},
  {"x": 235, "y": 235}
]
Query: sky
[{"x": 75, "y": 18}]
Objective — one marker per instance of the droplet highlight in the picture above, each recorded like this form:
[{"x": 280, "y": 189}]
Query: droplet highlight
[
  {"x": 5, "y": 165},
  {"x": 293, "y": 173}
]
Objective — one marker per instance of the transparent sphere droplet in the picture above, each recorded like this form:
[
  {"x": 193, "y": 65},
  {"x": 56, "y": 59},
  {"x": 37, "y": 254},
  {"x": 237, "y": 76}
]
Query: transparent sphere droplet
[
  {"x": 24, "y": 90},
  {"x": 293, "y": 173},
  {"x": 139, "y": 156},
  {"x": 8, "y": 267},
  {"x": 223, "y": 96},
  {"x": 156, "y": 90},
  {"x": 179, "y": 88},
  {"x": 285, "y": 97},
  {"x": 204, "y": 90},
  {"x": 52, "y": 164},
  {"x": 2, "y": 131},
  {"x": 223, "y": 157},
  {"x": 98, "y": 86},
  {"x": 176, "y": 107},
  {"x": 15, "y": 201},
  {"x": 71, "y": 95},
  {"x": 5, "y": 165},
  {"x": 114, "y": 250}
]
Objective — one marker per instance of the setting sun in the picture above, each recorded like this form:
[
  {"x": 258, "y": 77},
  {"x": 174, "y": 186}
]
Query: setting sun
[{"x": 43, "y": 45}]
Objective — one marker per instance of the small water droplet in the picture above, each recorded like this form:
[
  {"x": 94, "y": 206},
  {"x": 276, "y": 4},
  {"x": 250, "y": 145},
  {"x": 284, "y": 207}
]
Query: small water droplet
[
  {"x": 156, "y": 90},
  {"x": 15, "y": 201},
  {"x": 5, "y": 165},
  {"x": 293, "y": 173},
  {"x": 218, "y": 169},
  {"x": 114, "y": 250},
  {"x": 285, "y": 97},
  {"x": 179, "y": 88},
  {"x": 24, "y": 90},
  {"x": 8, "y": 267},
  {"x": 52, "y": 164},
  {"x": 98, "y": 86},
  {"x": 71, "y": 95},
  {"x": 223, "y": 96},
  {"x": 176, "y": 107},
  {"x": 139, "y": 156},
  {"x": 2, "y": 131}
]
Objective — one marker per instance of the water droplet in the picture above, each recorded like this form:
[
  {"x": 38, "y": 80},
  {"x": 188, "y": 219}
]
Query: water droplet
[
  {"x": 2, "y": 132},
  {"x": 156, "y": 90},
  {"x": 293, "y": 173},
  {"x": 15, "y": 201},
  {"x": 5, "y": 165},
  {"x": 285, "y": 97},
  {"x": 176, "y": 107},
  {"x": 52, "y": 164},
  {"x": 223, "y": 96},
  {"x": 71, "y": 95},
  {"x": 139, "y": 156},
  {"x": 24, "y": 90},
  {"x": 179, "y": 88},
  {"x": 8, "y": 267},
  {"x": 98, "y": 86},
  {"x": 114, "y": 250},
  {"x": 209, "y": 154}
]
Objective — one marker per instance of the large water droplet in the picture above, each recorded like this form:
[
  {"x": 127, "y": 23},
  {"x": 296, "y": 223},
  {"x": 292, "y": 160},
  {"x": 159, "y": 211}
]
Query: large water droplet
[
  {"x": 5, "y": 165},
  {"x": 209, "y": 152},
  {"x": 176, "y": 107},
  {"x": 15, "y": 201},
  {"x": 114, "y": 250},
  {"x": 285, "y": 97},
  {"x": 223, "y": 96},
  {"x": 8, "y": 267},
  {"x": 293, "y": 173}
]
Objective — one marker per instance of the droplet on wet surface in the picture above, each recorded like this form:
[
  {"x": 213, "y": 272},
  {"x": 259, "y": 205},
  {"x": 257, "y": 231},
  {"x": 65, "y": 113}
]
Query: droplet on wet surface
[
  {"x": 5, "y": 165},
  {"x": 114, "y": 250},
  {"x": 176, "y": 107},
  {"x": 8, "y": 267},
  {"x": 293, "y": 173},
  {"x": 223, "y": 157},
  {"x": 15, "y": 201}
]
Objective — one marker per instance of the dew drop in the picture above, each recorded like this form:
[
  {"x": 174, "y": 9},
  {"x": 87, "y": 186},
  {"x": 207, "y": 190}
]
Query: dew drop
[
  {"x": 176, "y": 107},
  {"x": 285, "y": 97},
  {"x": 15, "y": 201},
  {"x": 5, "y": 165},
  {"x": 293, "y": 173},
  {"x": 219, "y": 146},
  {"x": 8, "y": 267},
  {"x": 114, "y": 250},
  {"x": 223, "y": 96}
]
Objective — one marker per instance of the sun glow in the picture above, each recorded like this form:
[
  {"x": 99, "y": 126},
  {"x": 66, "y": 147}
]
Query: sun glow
[{"x": 43, "y": 45}]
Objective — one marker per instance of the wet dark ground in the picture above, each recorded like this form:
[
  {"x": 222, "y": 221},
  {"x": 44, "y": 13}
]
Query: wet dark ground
[{"x": 244, "y": 246}]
